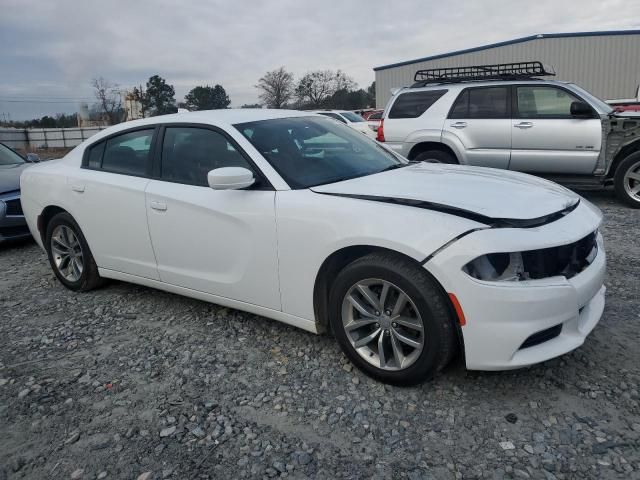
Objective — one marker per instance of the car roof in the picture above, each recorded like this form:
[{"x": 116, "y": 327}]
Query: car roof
[
  {"x": 219, "y": 118},
  {"x": 486, "y": 83}
]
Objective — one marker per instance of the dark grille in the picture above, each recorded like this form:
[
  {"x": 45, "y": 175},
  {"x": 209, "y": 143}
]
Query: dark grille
[
  {"x": 542, "y": 336},
  {"x": 566, "y": 260},
  {"x": 14, "y": 207}
]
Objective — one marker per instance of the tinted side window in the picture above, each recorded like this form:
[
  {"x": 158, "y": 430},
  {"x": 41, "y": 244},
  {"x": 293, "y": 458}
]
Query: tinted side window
[
  {"x": 128, "y": 153},
  {"x": 189, "y": 154},
  {"x": 489, "y": 102},
  {"x": 544, "y": 102},
  {"x": 94, "y": 159},
  {"x": 414, "y": 104}
]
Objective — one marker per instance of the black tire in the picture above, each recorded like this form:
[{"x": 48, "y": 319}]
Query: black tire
[
  {"x": 435, "y": 156},
  {"x": 89, "y": 279},
  {"x": 440, "y": 337},
  {"x": 621, "y": 182}
]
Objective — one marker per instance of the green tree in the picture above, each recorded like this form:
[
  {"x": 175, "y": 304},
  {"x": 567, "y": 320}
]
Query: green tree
[
  {"x": 371, "y": 91},
  {"x": 159, "y": 99},
  {"x": 207, "y": 98},
  {"x": 251, "y": 105}
]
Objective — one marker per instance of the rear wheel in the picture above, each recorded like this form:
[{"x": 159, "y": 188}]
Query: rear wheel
[
  {"x": 392, "y": 319},
  {"x": 435, "y": 156},
  {"x": 627, "y": 180},
  {"x": 69, "y": 254}
]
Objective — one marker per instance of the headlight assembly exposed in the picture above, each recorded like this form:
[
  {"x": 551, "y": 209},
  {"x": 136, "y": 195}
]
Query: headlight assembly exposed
[{"x": 564, "y": 260}]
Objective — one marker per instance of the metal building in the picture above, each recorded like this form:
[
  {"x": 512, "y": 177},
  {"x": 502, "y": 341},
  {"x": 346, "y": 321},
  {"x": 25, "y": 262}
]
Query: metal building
[{"x": 605, "y": 63}]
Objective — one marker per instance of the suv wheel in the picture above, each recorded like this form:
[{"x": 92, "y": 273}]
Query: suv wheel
[
  {"x": 435, "y": 156},
  {"x": 69, "y": 254},
  {"x": 391, "y": 319},
  {"x": 627, "y": 180}
]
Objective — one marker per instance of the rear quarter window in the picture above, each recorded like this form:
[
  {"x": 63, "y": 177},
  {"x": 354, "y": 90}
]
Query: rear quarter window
[
  {"x": 94, "y": 157},
  {"x": 414, "y": 104}
]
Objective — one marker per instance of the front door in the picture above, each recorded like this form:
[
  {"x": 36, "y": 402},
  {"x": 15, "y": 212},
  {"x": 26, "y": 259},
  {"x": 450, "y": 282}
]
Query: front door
[
  {"x": 546, "y": 138},
  {"x": 480, "y": 121},
  {"x": 221, "y": 242}
]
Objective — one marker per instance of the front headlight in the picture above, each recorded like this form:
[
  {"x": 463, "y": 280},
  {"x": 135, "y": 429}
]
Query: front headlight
[
  {"x": 564, "y": 260},
  {"x": 497, "y": 267}
]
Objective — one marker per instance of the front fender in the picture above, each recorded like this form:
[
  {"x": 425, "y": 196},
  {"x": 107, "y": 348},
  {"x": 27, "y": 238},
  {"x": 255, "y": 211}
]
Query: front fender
[{"x": 313, "y": 226}]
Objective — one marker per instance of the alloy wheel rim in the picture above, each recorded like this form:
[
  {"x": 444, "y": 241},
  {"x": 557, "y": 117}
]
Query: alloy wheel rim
[
  {"x": 632, "y": 181},
  {"x": 383, "y": 324},
  {"x": 67, "y": 253}
]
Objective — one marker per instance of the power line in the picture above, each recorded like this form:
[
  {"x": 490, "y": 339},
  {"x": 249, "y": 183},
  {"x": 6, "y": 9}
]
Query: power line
[{"x": 41, "y": 101}]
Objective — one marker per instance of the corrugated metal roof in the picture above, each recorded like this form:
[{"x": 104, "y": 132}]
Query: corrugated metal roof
[{"x": 511, "y": 42}]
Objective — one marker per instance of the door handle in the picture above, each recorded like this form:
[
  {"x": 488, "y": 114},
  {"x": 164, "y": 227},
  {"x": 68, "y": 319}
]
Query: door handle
[
  {"x": 459, "y": 124},
  {"x": 161, "y": 207},
  {"x": 77, "y": 188},
  {"x": 523, "y": 125}
]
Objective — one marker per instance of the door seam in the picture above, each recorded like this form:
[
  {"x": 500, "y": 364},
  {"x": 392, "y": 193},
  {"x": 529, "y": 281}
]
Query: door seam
[{"x": 146, "y": 212}]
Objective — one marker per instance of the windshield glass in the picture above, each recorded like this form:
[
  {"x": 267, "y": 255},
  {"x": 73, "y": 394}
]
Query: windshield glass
[
  {"x": 352, "y": 117},
  {"x": 311, "y": 151},
  {"x": 601, "y": 105},
  {"x": 9, "y": 157}
]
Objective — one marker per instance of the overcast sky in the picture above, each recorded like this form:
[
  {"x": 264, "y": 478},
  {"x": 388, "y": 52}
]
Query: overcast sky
[{"x": 50, "y": 51}]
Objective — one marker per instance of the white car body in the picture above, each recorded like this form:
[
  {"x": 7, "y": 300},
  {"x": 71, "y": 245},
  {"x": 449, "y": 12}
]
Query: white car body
[
  {"x": 167, "y": 236},
  {"x": 346, "y": 117}
]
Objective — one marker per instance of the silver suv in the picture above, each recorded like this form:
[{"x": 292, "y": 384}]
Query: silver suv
[{"x": 510, "y": 119}]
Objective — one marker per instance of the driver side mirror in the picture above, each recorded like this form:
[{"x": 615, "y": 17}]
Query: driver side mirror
[
  {"x": 230, "y": 178},
  {"x": 33, "y": 157},
  {"x": 581, "y": 110}
]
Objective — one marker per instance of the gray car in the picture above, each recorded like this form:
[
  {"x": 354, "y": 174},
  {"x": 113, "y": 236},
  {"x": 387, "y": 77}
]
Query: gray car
[
  {"x": 502, "y": 116},
  {"x": 12, "y": 223}
]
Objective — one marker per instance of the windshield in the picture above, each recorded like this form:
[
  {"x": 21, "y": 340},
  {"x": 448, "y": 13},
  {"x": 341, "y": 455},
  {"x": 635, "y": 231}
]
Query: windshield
[
  {"x": 9, "y": 157},
  {"x": 601, "y": 105},
  {"x": 352, "y": 117},
  {"x": 311, "y": 151}
]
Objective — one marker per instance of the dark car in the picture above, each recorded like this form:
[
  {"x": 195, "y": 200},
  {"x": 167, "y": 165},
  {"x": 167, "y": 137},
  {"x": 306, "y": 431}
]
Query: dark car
[{"x": 12, "y": 223}]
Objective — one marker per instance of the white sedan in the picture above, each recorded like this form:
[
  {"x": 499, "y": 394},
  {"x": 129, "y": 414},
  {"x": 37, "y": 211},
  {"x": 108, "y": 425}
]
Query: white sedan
[
  {"x": 351, "y": 119},
  {"x": 298, "y": 218}
]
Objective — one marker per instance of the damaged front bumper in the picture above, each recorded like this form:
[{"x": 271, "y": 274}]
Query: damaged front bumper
[{"x": 511, "y": 324}]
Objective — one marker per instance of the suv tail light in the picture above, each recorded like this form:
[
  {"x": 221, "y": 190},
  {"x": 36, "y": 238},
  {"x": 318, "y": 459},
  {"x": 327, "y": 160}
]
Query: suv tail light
[{"x": 380, "y": 132}]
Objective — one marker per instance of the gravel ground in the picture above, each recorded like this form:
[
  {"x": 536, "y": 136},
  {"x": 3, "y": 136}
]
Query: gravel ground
[{"x": 130, "y": 382}]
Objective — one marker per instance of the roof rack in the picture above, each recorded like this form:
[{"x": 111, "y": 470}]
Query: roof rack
[{"x": 500, "y": 71}]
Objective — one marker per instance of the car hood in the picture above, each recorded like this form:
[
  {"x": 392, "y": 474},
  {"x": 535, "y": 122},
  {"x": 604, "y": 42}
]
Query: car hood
[
  {"x": 10, "y": 177},
  {"x": 486, "y": 195}
]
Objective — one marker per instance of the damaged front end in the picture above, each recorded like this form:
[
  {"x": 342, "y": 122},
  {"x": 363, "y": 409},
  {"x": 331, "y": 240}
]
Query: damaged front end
[
  {"x": 565, "y": 260},
  {"x": 618, "y": 132}
]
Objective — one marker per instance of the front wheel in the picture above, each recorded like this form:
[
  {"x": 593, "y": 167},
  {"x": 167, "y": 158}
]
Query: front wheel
[
  {"x": 627, "y": 180},
  {"x": 391, "y": 319}
]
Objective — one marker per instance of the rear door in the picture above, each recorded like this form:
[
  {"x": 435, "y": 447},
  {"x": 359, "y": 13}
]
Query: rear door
[
  {"x": 221, "y": 242},
  {"x": 480, "y": 121},
  {"x": 108, "y": 201},
  {"x": 546, "y": 138}
]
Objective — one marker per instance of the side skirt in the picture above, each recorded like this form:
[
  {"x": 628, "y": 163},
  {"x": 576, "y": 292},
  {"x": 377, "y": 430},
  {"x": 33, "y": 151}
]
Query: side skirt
[{"x": 292, "y": 320}]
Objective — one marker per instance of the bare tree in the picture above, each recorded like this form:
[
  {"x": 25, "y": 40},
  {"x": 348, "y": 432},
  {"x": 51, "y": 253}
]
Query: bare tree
[
  {"x": 109, "y": 98},
  {"x": 276, "y": 87},
  {"x": 316, "y": 88}
]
